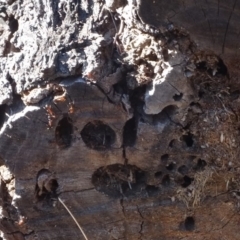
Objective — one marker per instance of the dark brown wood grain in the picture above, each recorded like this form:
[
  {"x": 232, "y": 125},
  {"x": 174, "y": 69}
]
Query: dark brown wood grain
[
  {"x": 123, "y": 172},
  {"x": 213, "y": 25}
]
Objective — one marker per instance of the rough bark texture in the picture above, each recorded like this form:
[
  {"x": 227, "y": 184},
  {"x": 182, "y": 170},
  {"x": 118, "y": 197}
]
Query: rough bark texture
[{"x": 128, "y": 111}]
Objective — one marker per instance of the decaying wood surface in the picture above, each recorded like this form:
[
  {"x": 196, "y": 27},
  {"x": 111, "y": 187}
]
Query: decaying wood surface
[{"x": 127, "y": 111}]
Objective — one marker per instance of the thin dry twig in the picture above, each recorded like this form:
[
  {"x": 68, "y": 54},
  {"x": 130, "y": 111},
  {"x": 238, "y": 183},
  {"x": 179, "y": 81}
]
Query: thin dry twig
[{"x": 60, "y": 200}]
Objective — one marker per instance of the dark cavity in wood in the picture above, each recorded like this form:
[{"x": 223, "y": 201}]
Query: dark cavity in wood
[
  {"x": 189, "y": 224},
  {"x": 46, "y": 187},
  {"x": 2, "y": 114},
  {"x": 119, "y": 180},
  {"x": 63, "y": 132},
  {"x": 188, "y": 139},
  {"x": 98, "y": 135},
  {"x": 186, "y": 181},
  {"x": 200, "y": 166},
  {"x": 130, "y": 132}
]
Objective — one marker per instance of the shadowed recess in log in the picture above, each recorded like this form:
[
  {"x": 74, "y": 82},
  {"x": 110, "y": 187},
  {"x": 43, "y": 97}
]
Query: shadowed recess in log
[
  {"x": 165, "y": 115},
  {"x": 158, "y": 174},
  {"x": 186, "y": 181},
  {"x": 183, "y": 169},
  {"x": 166, "y": 181},
  {"x": 46, "y": 186},
  {"x": 164, "y": 158},
  {"x": 200, "y": 166},
  {"x": 2, "y": 114},
  {"x": 221, "y": 68},
  {"x": 119, "y": 180},
  {"x": 171, "y": 166},
  {"x": 170, "y": 110},
  {"x": 97, "y": 135},
  {"x": 188, "y": 139},
  {"x": 189, "y": 224},
  {"x": 152, "y": 190},
  {"x": 171, "y": 143},
  {"x": 63, "y": 132},
  {"x": 130, "y": 132},
  {"x": 178, "y": 97},
  {"x": 13, "y": 24},
  {"x": 234, "y": 95}
]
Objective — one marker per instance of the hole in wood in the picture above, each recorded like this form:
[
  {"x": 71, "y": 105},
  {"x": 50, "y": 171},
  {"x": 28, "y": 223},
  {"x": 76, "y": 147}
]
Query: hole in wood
[
  {"x": 171, "y": 143},
  {"x": 165, "y": 54},
  {"x": 189, "y": 224},
  {"x": 46, "y": 186},
  {"x": 164, "y": 158},
  {"x": 158, "y": 118},
  {"x": 120, "y": 88},
  {"x": 2, "y": 114},
  {"x": 158, "y": 174},
  {"x": 170, "y": 110},
  {"x": 13, "y": 24},
  {"x": 188, "y": 139},
  {"x": 178, "y": 97},
  {"x": 171, "y": 166},
  {"x": 221, "y": 68},
  {"x": 196, "y": 107},
  {"x": 202, "y": 66},
  {"x": 200, "y": 166},
  {"x": 186, "y": 181},
  {"x": 130, "y": 132},
  {"x": 234, "y": 95},
  {"x": 97, "y": 135},
  {"x": 183, "y": 169},
  {"x": 152, "y": 190},
  {"x": 119, "y": 180},
  {"x": 63, "y": 132},
  {"x": 152, "y": 57},
  {"x": 201, "y": 94},
  {"x": 166, "y": 180}
]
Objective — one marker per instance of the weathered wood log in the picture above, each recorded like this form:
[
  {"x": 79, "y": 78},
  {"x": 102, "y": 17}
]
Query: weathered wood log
[{"x": 128, "y": 112}]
